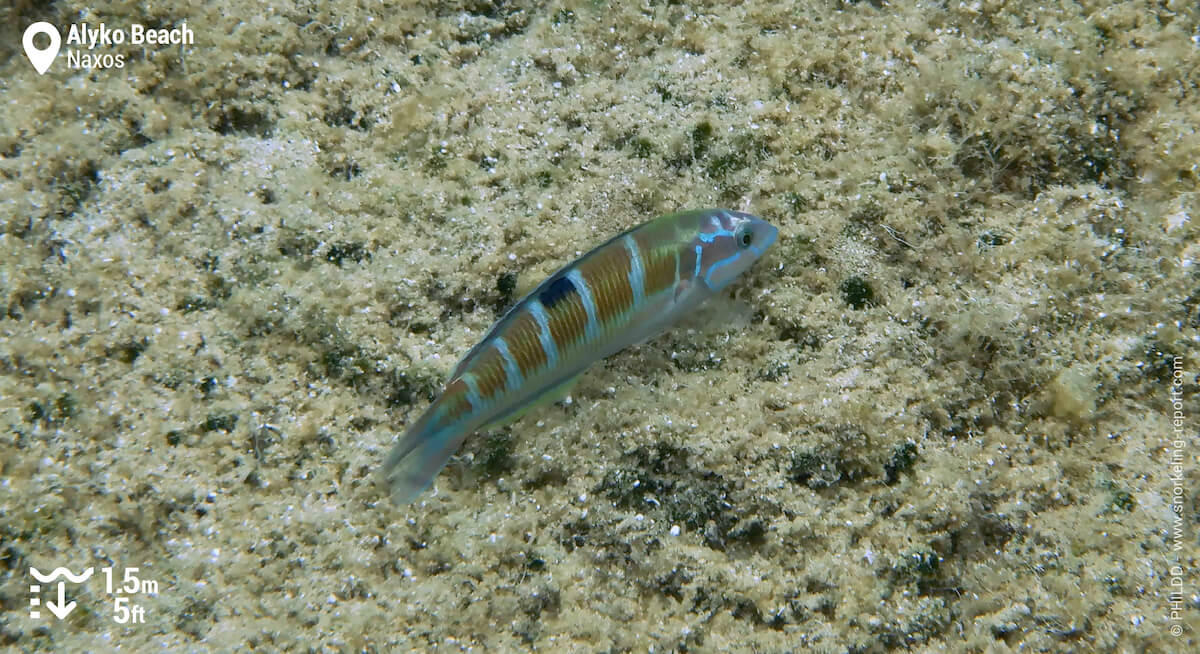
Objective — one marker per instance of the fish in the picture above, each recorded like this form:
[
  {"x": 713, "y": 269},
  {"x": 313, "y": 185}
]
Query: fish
[{"x": 621, "y": 293}]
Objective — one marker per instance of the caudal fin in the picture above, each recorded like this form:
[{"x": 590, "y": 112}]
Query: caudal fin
[{"x": 420, "y": 455}]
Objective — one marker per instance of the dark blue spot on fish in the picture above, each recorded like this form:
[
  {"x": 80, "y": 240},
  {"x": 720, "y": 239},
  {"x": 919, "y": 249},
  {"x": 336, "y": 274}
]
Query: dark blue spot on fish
[{"x": 558, "y": 290}]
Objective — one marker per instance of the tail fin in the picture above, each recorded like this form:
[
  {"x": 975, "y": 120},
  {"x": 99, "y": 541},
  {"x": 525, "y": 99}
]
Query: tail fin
[{"x": 421, "y": 454}]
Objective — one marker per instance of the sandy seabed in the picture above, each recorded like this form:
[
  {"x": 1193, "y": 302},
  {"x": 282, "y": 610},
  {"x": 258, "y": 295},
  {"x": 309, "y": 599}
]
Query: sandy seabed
[{"x": 953, "y": 409}]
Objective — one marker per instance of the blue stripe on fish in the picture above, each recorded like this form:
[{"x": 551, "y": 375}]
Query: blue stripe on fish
[
  {"x": 717, "y": 266},
  {"x": 473, "y": 395},
  {"x": 543, "y": 322},
  {"x": 637, "y": 273},
  {"x": 511, "y": 369},
  {"x": 709, "y": 237},
  {"x": 592, "y": 331}
]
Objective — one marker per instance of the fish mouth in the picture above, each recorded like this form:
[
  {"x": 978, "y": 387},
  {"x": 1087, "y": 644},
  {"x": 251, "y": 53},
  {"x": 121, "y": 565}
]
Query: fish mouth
[{"x": 769, "y": 234}]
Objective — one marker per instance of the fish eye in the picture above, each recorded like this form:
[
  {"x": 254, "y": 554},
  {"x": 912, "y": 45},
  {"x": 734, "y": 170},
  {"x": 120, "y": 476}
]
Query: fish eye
[{"x": 745, "y": 237}]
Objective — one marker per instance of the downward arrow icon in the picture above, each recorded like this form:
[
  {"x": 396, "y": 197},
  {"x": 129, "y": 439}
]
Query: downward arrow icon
[{"x": 62, "y": 609}]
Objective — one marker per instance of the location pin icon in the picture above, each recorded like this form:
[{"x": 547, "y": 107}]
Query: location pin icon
[{"x": 41, "y": 59}]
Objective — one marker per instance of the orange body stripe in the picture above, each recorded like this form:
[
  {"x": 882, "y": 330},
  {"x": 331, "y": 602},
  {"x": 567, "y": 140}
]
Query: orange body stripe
[
  {"x": 456, "y": 397},
  {"x": 525, "y": 345},
  {"x": 607, "y": 276},
  {"x": 491, "y": 379},
  {"x": 567, "y": 320},
  {"x": 659, "y": 267}
]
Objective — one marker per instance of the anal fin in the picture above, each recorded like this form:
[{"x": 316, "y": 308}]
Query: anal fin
[{"x": 549, "y": 396}]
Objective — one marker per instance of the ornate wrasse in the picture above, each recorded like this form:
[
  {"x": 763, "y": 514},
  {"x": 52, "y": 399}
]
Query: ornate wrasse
[{"x": 621, "y": 293}]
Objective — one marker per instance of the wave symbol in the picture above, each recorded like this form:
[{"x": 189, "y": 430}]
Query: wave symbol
[{"x": 45, "y": 579}]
